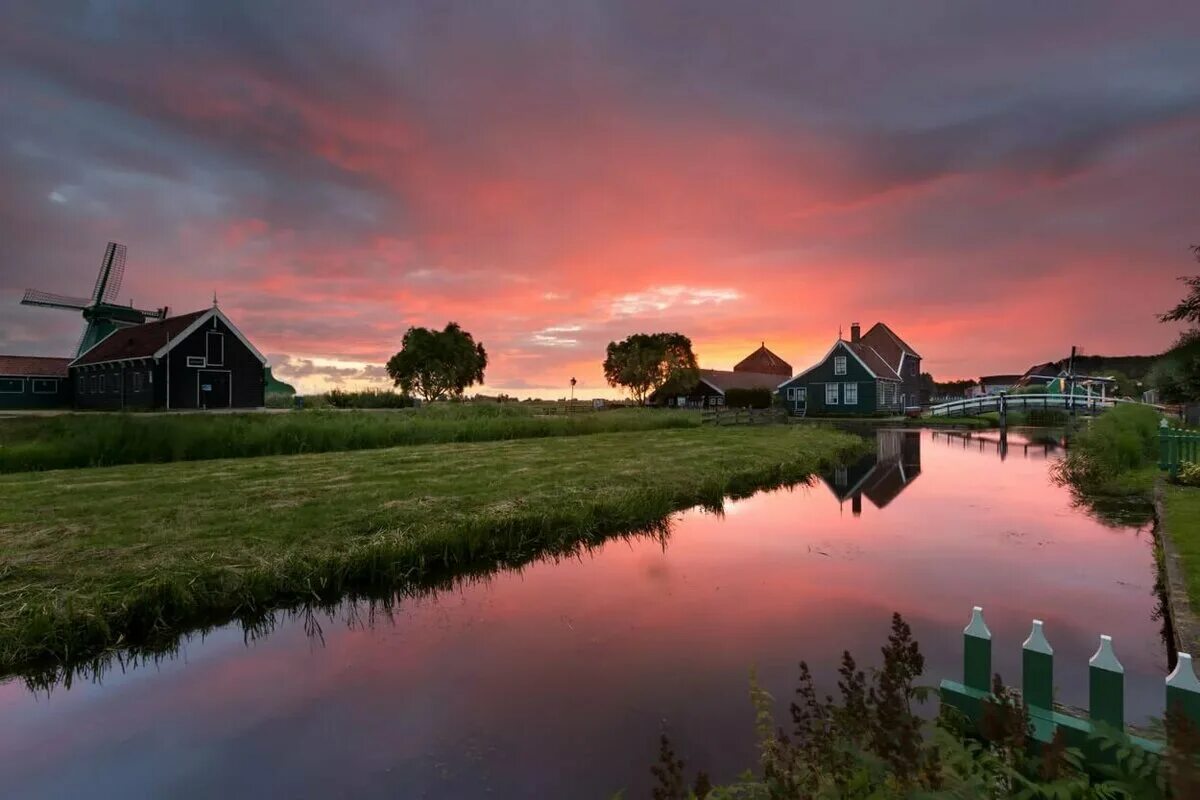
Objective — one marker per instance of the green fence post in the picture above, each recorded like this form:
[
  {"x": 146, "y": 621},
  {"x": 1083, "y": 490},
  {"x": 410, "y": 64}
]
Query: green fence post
[
  {"x": 1037, "y": 669},
  {"x": 1183, "y": 690},
  {"x": 977, "y": 653},
  {"x": 1106, "y": 689},
  {"x": 1163, "y": 463}
]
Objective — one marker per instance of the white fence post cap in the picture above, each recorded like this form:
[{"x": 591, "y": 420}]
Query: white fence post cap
[
  {"x": 1105, "y": 657},
  {"x": 1183, "y": 676},
  {"x": 1037, "y": 640},
  {"x": 977, "y": 628}
]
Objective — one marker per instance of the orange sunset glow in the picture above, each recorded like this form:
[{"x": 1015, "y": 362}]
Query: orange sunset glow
[{"x": 553, "y": 176}]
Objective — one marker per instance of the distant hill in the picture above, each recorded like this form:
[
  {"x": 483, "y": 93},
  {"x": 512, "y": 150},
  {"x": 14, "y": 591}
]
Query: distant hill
[{"x": 276, "y": 386}]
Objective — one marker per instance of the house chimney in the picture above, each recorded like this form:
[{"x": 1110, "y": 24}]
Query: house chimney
[{"x": 855, "y": 330}]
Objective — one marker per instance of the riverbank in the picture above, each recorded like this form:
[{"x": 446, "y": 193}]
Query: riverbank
[
  {"x": 97, "y": 559},
  {"x": 1113, "y": 462}
]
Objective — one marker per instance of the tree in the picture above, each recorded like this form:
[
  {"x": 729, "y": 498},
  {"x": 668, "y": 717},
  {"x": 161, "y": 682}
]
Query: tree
[
  {"x": 646, "y": 362},
  {"x": 437, "y": 364},
  {"x": 1188, "y": 309},
  {"x": 1176, "y": 375}
]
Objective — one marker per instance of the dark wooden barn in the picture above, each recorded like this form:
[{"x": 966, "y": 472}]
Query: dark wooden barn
[
  {"x": 34, "y": 382},
  {"x": 193, "y": 361}
]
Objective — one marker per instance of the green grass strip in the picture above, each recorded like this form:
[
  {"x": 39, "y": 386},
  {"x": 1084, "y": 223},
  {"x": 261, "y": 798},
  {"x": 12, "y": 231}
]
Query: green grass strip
[{"x": 97, "y": 440}]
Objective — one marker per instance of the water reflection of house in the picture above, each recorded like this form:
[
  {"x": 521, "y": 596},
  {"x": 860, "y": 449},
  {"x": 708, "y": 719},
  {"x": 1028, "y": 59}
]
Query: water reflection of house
[{"x": 880, "y": 476}]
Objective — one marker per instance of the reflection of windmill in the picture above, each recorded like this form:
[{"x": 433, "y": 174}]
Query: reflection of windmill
[{"x": 101, "y": 312}]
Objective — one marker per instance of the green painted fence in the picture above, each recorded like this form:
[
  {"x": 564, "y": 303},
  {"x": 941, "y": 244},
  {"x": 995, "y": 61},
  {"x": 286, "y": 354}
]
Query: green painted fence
[
  {"x": 1176, "y": 446},
  {"x": 1106, "y": 688}
]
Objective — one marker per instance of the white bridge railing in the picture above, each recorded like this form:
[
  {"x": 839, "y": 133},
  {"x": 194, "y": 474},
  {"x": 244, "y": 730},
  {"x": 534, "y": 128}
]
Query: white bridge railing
[{"x": 1022, "y": 402}]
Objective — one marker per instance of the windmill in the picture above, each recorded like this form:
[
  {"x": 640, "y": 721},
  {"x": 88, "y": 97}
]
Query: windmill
[{"x": 101, "y": 312}]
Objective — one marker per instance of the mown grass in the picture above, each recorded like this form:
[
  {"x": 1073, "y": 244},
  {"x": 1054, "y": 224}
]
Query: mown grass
[
  {"x": 96, "y": 560},
  {"x": 94, "y": 440},
  {"x": 1181, "y": 509}
]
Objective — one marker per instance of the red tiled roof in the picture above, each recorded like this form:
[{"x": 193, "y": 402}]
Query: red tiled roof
[
  {"x": 765, "y": 362},
  {"x": 139, "y": 341},
  {"x": 724, "y": 380},
  {"x": 875, "y": 362},
  {"x": 888, "y": 344},
  {"x": 36, "y": 366}
]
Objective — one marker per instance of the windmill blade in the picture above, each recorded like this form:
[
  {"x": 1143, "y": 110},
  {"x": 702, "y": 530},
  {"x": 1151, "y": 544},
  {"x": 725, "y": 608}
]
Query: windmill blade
[
  {"x": 112, "y": 271},
  {"x": 33, "y": 297}
]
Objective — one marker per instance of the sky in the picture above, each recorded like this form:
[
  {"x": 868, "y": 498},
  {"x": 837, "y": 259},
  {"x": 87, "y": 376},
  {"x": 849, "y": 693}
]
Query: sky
[{"x": 995, "y": 181}]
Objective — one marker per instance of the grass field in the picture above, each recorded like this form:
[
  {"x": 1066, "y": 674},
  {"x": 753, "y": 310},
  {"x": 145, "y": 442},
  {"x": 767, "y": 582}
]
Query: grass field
[
  {"x": 93, "y": 440},
  {"x": 100, "y": 558},
  {"x": 1181, "y": 507}
]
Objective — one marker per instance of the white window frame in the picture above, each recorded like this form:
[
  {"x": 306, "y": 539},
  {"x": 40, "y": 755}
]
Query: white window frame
[
  {"x": 850, "y": 394},
  {"x": 796, "y": 393},
  {"x": 831, "y": 401},
  {"x": 197, "y": 361},
  {"x": 33, "y": 382},
  {"x": 20, "y": 383},
  {"x": 208, "y": 359},
  {"x": 139, "y": 381},
  {"x": 82, "y": 385},
  {"x": 839, "y": 365}
]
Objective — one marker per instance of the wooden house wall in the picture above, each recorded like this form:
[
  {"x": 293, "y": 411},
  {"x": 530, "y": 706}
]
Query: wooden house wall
[
  {"x": 816, "y": 379},
  {"x": 17, "y": 392},
  {"x": 246, "y": 373}
]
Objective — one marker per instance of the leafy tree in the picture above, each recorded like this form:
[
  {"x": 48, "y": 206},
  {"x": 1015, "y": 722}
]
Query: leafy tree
[
  {"x": 646, "y": 362},
  {"x": 1188, "y": 309},
  {"x": 437, "y": 364},
  {"x": 1177, "y": 374}
]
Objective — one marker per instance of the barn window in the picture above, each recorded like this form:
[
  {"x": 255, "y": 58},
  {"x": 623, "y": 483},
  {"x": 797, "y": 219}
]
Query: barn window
[
  {"x": 196, "y": 361},
  {"x": 138, "y": 378},
  {"x": 45, "y": 386},
  {"x": 103, "y": 384},
  {"x": 850, "y": 393},
  {"x": 81, "y": 384},
  {"x": 12, "y": 385},
  {"x": 831, "y": 394},
  {"x": 215, "y": 344},
  {"x": 839, "y": 365},
  {"x": 95, "y": 383}
]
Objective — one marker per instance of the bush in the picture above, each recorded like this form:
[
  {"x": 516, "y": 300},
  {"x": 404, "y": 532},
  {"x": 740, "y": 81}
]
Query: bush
[
  {"x": 748, "y": 398},
  {"x": 1118, "y": 441},
  {"x": 368, "y": 398},
  {"x": 1189, "y": 474}
]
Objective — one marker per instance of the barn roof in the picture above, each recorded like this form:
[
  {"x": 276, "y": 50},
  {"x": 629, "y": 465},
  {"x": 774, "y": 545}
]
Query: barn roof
[
  {"x": 888, "y": 344},
  {"x": 138, "y": 341},
  {"x": 724, "y": 380},
  {"x": 765, "y": 362},
  {"x": 34, "y": 366}
]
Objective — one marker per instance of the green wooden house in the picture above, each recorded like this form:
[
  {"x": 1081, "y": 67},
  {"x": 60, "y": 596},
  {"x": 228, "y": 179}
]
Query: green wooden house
[{"x": 853, "y": 379}]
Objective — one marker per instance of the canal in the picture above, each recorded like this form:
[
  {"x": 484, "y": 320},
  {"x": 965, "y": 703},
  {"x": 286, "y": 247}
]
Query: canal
[{"x": 556, "y": 680}]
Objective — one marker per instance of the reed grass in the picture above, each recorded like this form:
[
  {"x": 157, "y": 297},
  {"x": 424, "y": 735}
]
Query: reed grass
[
  {"x": 96, "y": 440},
  {"x": 97, "y": 560}
]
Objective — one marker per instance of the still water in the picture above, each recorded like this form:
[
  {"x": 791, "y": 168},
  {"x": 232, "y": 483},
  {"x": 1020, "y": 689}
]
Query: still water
[{"x": 556, "y": 680}]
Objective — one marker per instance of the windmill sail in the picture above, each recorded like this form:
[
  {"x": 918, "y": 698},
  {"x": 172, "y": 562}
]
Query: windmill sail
[
  {"x": 102, "y": 314},
  {"x": 112, "y": 272},
  {"x": 33, "y": 297}
]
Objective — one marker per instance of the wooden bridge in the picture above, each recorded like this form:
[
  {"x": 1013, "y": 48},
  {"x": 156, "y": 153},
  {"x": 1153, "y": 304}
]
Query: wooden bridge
[{"x": 1081, "y": 404}]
